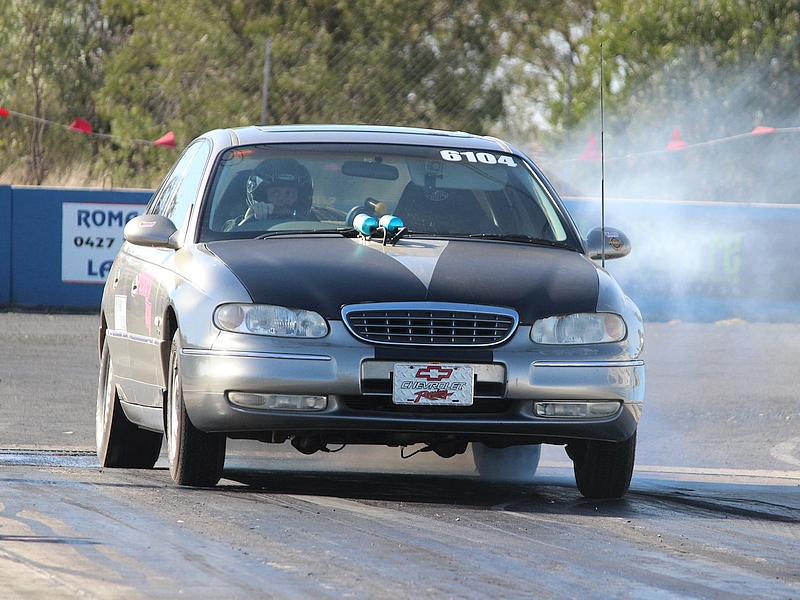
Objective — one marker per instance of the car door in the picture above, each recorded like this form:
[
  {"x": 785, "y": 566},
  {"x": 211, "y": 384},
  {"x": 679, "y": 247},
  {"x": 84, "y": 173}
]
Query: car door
[{"x": 147, "y": 280}]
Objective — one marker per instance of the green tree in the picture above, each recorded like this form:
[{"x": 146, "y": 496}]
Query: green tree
[
  {"x": 543, "y": 55},
  {"x": 712, "y": 68},
  {"x": 191, "y": 66},
  {"x": 664, "y": 55},
  {"x": 526, "y": 68},
  {"x": 50, "y": 65}
]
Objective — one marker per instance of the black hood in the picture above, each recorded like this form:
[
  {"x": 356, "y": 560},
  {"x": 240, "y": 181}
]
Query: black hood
[{"x": 323, "y": 273}]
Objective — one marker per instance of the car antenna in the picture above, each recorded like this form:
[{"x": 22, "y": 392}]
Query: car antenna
[{"x": 602, "y": 169}]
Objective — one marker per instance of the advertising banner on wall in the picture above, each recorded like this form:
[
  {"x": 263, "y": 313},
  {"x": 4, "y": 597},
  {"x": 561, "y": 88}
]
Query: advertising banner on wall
[
  {"x": 91, "y": 236},
  {"x": 704, "y": 261}
]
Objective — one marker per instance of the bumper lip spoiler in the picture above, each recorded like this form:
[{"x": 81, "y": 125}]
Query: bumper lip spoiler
[
  {"x": 323, "y": 357},
  {"x": 247, "y": 354}
]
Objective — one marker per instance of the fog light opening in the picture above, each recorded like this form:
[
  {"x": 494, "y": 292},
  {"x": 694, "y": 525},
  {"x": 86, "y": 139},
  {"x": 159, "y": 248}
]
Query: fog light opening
[
  {"x": 603, "y": 409},
  {"x": 278, "y": 401},
  {"x": 576, "y": 410}
]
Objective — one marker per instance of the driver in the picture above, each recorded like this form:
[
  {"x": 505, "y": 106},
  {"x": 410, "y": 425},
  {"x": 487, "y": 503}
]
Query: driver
[{"x": 278, "y": 188}]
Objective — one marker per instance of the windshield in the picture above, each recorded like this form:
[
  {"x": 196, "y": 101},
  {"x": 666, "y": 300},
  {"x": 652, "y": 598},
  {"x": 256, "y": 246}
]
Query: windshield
[{"x": 434, "y": 191}]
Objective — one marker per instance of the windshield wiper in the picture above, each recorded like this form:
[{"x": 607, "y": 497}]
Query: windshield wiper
[
  {"x": 348, "y": 232},
  {"x": 519, "y": 237}
]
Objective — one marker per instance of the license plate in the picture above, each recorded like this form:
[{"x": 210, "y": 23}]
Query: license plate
[{"x": 433, "y": 384}]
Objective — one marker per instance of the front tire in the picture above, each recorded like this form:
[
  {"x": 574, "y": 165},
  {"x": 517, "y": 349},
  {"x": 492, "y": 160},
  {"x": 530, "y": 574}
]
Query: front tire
[
  {"x": 120, "y": 443},
  {"x": 515, "y": 463},
  {"x": 196, "y": 458},
  {"x": 603, "y": 470}
]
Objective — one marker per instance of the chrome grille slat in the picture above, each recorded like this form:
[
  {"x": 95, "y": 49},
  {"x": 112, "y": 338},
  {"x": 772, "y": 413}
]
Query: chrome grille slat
[{"x": 430, "y": 324}]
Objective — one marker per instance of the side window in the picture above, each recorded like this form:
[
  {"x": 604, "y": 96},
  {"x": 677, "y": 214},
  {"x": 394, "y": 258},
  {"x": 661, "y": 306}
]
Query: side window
[
  {"x": 179, "y": 190},
  {"x": 165, "y": 195},
  {"x": 189, "y": 187}
]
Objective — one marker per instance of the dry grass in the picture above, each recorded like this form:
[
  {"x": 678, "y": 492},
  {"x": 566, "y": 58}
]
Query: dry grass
[{"x": 77, "y": 175}]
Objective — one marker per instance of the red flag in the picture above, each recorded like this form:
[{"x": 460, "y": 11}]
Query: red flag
[
  {"x": 81, "y": 125},
  {"x": 591, "y": 151},
  {"x": 167, "y": 140},
  {"x": 761, "y": 130},
  {"x": 676, "y": 141},
  {"x": 3, "y": 112}
]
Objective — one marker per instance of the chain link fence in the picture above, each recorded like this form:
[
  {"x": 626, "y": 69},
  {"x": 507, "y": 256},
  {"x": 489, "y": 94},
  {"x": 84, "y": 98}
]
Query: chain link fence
[
  {"x": 414, "y": 85},
  {"x": 449, "y": 82}
]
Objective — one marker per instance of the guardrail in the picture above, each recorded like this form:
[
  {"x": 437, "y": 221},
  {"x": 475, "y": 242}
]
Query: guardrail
[{"x": 690, "y": 260}]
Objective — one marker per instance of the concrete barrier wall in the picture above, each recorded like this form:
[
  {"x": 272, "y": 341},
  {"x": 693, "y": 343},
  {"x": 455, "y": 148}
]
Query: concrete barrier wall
[{"x": 691, "y": 260}]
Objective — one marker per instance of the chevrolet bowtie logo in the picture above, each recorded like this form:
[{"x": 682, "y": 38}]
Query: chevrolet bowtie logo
[{"x": 433, "y": 373}]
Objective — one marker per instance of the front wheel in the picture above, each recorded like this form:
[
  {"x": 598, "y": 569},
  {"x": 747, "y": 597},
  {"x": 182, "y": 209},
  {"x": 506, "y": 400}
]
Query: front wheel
[
  {"x": 603, "y": 470},
  {"x": 120, "y": 443},
  {"x": 196, "y": 458},
  {"x": 515, "y": 463}
]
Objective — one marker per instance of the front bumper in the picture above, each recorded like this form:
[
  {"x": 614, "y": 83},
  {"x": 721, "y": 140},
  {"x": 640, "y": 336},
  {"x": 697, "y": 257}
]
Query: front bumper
[{"x": 358, "y": 392}]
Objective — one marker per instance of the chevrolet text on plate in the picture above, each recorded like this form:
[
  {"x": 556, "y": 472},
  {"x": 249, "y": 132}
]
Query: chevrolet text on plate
[{"x": 334, "y": 285}]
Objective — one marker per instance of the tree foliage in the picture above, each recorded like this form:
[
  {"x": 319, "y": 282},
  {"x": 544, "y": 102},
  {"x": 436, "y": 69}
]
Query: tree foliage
[
  {"x": 524, "y": 68},
  {"x": 50, "y": 65},
  {"x": 711, "y": 68},
  {"x": 698, "y": 50}
]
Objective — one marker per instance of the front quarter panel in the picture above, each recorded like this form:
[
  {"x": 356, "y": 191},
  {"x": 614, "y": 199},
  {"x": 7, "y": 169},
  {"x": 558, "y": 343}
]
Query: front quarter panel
[
  {"x": 611, "y": 298},
  {"x": 201, "y": 283},
  {"x": 182, "y": 289}
]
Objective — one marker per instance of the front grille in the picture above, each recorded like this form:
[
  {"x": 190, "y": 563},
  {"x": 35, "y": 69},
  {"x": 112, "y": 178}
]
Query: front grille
[{"x": 430, "y": 324}]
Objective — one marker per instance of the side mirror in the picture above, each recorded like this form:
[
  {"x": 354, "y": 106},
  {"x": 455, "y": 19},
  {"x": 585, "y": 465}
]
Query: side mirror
[
  {"x": 615, "y": 243},
  {"x": 155, "y": 231}
]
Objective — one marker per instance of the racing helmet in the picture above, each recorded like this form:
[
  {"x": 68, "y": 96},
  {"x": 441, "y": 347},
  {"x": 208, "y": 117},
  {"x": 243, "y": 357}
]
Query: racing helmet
[{"x": 280, "y": 172}]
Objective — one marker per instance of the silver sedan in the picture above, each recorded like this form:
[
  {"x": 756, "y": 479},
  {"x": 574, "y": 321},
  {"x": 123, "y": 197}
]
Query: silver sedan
[{"x": 334, "y": 285}]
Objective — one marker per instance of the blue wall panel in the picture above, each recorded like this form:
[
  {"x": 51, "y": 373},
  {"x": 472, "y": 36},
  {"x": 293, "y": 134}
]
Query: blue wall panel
[
  {"x": 36, "y": 245},
  {"x": 704, "y": 261},
  {"x": 5, "y": 244},
  {"x": 690, "y": 260}
]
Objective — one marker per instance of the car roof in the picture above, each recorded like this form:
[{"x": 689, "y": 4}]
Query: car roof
[{"x": 376, "y": 134}]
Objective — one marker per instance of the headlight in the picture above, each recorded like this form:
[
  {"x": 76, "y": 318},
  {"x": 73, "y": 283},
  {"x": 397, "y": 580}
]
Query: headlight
[
  {"x": 579, "y": 328},
  {"x": 265, "y": 319}
]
